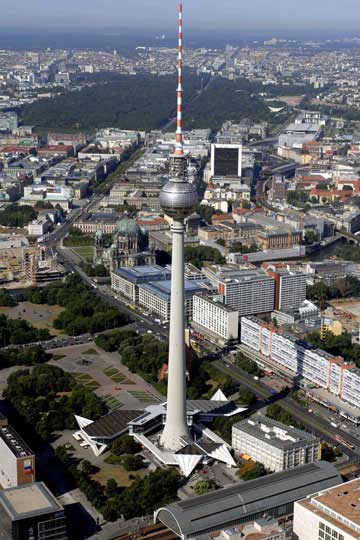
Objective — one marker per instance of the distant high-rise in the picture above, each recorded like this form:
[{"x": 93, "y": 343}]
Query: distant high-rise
[{"x": 178, "y": 200}]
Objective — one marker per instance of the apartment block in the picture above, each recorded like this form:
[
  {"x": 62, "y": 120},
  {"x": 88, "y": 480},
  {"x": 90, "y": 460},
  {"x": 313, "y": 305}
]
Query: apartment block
[{"x": 314, "y": 365}]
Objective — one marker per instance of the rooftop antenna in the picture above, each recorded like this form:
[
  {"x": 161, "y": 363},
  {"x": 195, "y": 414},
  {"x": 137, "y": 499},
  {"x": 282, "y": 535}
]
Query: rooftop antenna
[{"x": 179, "y": 149}]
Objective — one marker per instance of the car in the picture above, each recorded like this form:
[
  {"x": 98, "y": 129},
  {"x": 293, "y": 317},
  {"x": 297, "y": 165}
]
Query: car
[{"x": 149, "y": 331}]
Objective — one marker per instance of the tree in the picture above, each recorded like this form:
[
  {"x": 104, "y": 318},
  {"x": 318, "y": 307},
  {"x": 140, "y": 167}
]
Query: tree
[
  {"x": 310, "y": 237},
  {"x": 246, "y": 397},
  {"x": 125, "y": 445},
  {"x": 248, "y": 365},
  {"x": 251, "y": 470},
  {"x": 132, "y": 463},
  {"x": 276, "y": 412},
  {"x": 221, "y": 242},
  {"x": 204, "y": 486},
  {"x": 88, "y": 468}
]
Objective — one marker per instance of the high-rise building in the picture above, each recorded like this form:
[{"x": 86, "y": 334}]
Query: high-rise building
[
  {"x": 213, "y": 319},
  {"x": 226, "y": 160},
  {"x": 250, "y": 292},
  {"x": 290, "y": 288},
  {"x": 331, "y": 514},
  {"x": 178, "y": 200}
]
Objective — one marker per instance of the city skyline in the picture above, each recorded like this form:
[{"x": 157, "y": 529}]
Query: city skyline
[{"x": 156, "y": 16}]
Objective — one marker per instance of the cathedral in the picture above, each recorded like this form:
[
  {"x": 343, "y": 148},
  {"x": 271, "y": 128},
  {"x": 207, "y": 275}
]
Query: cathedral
[{"x": 128, "y": 247}]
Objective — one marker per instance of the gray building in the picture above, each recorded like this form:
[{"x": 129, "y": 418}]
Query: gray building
[
  {"x": 249, "y": 292},
  {"x": 8, "y": 121},
  {"x": 126, "y": 281},
  {"x": 31, "y": 511},
  {"x": 245, "y": 502},
  {"x": 276, "y": 446}
]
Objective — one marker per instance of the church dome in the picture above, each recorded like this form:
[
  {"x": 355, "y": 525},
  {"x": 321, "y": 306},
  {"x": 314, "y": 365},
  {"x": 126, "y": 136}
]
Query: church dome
[{"x": 127, "y": 227}]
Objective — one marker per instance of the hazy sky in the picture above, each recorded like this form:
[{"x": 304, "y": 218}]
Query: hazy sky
[{"x": 160, "y": 15}]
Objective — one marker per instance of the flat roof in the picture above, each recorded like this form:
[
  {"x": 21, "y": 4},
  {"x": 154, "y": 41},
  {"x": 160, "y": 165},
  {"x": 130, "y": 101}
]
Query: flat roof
[
  {"x": 235, "y": 504},
  {"x": 111, "y": 424},
  {"x": 15, "y": 443},
  {"x": 28, "y": 501},
  {"x": 162, "y": 289},
  {"x": 141, "y": 274},
  {"x": 274, "y": 433},
  {"x": 339, "y": 506}
]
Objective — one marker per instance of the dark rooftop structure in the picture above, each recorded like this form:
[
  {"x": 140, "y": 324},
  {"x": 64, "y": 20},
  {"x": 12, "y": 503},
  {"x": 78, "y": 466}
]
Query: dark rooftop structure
[
  {"x": 274, "y": 494},
  {"x": 15, "y": 443},
  {"x": 112, "y": 424}
]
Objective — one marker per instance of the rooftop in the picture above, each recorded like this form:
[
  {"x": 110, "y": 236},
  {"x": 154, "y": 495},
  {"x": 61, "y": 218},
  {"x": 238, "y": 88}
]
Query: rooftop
[
  {"x": 238, "y": 503},
  {"x": 273, "y": 432},
  {"x": 162, "y": 289},
  {"x": 141, "y": 274},
  {"x": 111, "y": 424},
  {"x": 340, "y": 505},
  {"x": 28, "y": 501},
  {"x": 14, "y": 442}
]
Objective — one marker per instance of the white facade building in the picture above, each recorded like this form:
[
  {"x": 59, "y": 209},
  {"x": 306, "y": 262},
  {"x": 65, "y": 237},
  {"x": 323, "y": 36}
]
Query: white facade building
[
  {"x": 331, "y": 514},
  {"x": 17, "y": 461},
  {"x": 314, "y": 365},
  {"x": 276, "y": 446},
  {"x": 215, "y": 320}
]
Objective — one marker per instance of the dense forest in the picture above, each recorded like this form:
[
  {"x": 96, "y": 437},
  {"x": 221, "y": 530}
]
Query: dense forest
[
  {"x": 141, "y": 102},
  {"x": 146, "y": 102}
]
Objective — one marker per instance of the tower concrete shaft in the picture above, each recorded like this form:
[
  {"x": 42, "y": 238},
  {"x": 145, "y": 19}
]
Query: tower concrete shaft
[
  {"x": 176, "y": 428},
  {"x": 178, "y": 199}
]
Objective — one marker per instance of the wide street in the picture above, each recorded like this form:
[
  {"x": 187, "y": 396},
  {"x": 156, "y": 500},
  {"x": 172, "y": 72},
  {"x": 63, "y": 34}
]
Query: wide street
[{"x": 312, "y": 422}]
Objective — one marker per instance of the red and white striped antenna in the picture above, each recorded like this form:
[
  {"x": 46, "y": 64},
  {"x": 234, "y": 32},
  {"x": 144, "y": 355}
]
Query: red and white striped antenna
[{"x": 179, "y": 149}]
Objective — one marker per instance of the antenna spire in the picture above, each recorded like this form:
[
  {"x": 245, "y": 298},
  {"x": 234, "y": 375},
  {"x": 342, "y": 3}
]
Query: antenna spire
[{"x": 179, "y": 150}]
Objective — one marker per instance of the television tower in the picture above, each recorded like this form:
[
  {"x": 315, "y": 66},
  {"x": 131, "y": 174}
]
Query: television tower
[{"x": 178, "y": 199}]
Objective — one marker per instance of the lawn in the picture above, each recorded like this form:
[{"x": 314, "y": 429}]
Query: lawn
[
  {"x": 92, "y": 352},
  {"x": 117, "y": 376},
  {"x": 116, "y": 472},
  {"x": 85, "y": 252},
  {"x": 111, "y": 402},
  {"x": 142, "y": 396},
  {"x": 86, "y": 380}
]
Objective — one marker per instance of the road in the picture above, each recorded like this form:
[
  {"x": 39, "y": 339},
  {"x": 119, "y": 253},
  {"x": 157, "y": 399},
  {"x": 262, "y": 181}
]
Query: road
[{"x": 311, "y": 422}]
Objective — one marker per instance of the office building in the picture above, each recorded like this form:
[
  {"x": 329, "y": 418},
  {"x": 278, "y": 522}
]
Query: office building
[
  {"x": 214, "y": 320},
  {"x": 276, "y": 446},
  {"x": 273, "y": 495},
  {"x": 126, "y": 281},
  {"x": 226, "y": 160},
  {"x": 31, "y": 513},
  {"x": 17, "y": 461},
  {"x": 290, "y": 288},
  {"x": 250, "y": 292},
  {"x": 155, "y": 297},
  {"x": 312, "y": 365},
  {"x": 331, "y": 514},
  {"x": 8, "y": 121}
]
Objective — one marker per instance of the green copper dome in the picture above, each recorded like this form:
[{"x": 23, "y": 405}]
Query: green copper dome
[{"x": 127, "y": 227}]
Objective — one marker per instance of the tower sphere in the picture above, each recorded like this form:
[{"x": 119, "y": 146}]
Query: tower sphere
[{"x": 178, "y": 199}]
